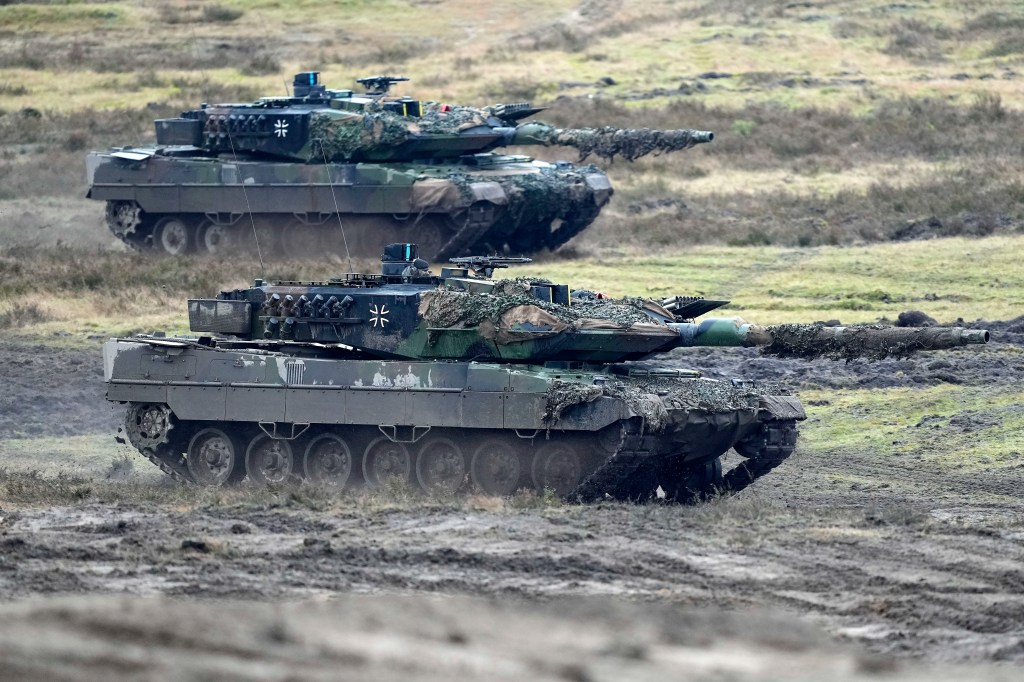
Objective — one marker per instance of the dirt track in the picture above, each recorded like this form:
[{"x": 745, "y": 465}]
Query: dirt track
[
  {"x": 913, "y": 563},
  {"x": 420, "y": 638}
]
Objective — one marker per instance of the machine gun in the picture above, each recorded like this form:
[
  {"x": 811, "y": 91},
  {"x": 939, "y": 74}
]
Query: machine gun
[
  {"x": 484, "y": 266},
  {"x": 379, "y": 85}
]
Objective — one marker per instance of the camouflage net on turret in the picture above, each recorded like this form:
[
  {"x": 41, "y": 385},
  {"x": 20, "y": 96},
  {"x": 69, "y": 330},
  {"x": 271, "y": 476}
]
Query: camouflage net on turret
[
  {"x": 455, "y": 308},
  {"x": 629, "y": 143},
  {"x": 343, "y": 136}
]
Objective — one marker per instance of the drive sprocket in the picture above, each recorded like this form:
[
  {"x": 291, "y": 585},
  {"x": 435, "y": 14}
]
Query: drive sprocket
[
  {"x": 148, "y": 425},
  {"x": 123, "y": 217}
]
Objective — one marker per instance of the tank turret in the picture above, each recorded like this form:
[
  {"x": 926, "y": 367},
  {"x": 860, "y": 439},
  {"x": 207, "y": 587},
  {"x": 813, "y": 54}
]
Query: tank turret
[
  {"x": 318, "y": 125},
  {"x": 383, "y": 167},
  {"x": 457, "y": 381},
  {"x": 407, "y": 312}
]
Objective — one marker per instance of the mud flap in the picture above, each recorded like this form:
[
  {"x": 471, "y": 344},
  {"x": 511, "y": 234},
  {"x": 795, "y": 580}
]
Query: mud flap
[{"x": 781, "y": 407}]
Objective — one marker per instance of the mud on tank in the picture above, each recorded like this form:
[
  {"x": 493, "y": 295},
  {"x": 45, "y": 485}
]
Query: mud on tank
[
  {"x": 291, "y": 172},
  {"x": 459, "y": 381}
]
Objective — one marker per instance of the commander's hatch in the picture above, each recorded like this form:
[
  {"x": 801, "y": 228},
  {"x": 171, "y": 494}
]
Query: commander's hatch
[{"x": 689, "y": 307}]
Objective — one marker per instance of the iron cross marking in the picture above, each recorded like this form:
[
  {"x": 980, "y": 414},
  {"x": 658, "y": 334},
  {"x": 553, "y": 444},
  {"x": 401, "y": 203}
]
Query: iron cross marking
[{"x": 378, "y": 313}]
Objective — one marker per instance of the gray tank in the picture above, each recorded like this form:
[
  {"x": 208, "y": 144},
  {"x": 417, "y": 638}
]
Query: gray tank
[
  {"x": 460, "y": 381},
  {"x": 293, "y": 173}
]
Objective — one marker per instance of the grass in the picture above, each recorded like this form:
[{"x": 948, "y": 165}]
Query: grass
[
  {"x": 88, "y": 456},
  {"x": 97, "y": 293},
  {"x": 853, "y": 131},
  {"x": 855, "y": 284},
  {"x": 865, "y": 422}
]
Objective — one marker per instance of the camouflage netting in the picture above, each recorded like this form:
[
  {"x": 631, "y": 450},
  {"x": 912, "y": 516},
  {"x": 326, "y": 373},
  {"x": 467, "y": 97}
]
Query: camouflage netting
[
  {"x": 346, "y": 135},
  {"x": 540, "y": 195},
  {"x": 629, "y": 143},
  {"x": 871, "y": 342},
  {"x": 340, "y": 138},
  {"x": 455, "y": 308},
  {"x": 653, "y": 397},
  {"x": 564, "y": 394}
]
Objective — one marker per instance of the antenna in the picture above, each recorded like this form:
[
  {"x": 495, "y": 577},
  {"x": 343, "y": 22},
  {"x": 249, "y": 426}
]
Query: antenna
[
  {"x": 248, "y": 206},
  {"x": 337, "y": 210}
]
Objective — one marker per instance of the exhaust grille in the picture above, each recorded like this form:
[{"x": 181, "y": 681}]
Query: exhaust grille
[{"x": 293, "y": 371}]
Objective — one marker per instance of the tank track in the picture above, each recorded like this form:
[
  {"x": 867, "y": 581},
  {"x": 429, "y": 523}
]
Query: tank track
[
  {"x": 171, "y": 462},
  {"x": 161, "y": 439},
  {"x": 468, "y": 237},
  {"x": 774, "y": 446},
  {"x": 630, "y": 461},
  {"x": 627, "y": 459},
  {"x": 629, "y": 472}
]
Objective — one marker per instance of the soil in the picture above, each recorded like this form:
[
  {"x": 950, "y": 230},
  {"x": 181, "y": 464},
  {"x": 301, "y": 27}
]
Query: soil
[{"x": 796, "y": 575}]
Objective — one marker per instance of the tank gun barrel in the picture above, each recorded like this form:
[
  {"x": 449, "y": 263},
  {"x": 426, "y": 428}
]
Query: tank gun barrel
[
  {"x": 609, "y": 142},
  {"x": 816, "y": 340}
]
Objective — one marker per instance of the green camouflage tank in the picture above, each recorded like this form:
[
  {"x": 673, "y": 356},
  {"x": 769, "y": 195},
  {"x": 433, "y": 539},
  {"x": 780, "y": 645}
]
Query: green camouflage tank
[
  {"x": 462, "y": 382},
  {"x": 311, "y": 172}
]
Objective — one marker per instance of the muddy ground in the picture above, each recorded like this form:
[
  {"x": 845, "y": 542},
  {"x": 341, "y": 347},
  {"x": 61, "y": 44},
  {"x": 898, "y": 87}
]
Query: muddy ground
[{"x": 908, "y": 564}]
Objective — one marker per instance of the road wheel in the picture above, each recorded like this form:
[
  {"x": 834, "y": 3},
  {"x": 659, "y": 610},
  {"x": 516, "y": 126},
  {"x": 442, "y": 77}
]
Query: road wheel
[
  {"x": 384, "y": 459},
  {"x": 215, "y": 239},
  {"x": 269, "y": 460},
  {"x": 214, "y": 459},
  {"x": 300, "y": 240},
  {"x": 495, "y": 468},
  {"x": 440, "y": 466},
  {"x": 328, "y": 461},
  {"x": 556, "y": 466},
  {"x": 173, "y": 236}
]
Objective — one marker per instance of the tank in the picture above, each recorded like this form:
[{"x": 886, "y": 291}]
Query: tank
[
  {"x": 461, "y": 381},
  {"x": 330, "y": 169}
]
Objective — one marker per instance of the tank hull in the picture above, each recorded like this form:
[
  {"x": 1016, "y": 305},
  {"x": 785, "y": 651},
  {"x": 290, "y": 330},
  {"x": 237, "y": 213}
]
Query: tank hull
[
  {"x": 586, "y": 433},
  {"x": 178, "y": 203}
]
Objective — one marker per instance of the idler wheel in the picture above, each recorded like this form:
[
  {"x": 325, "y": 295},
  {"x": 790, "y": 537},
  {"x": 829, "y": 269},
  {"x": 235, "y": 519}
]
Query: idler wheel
[
  {"x": 269, "y": 460},
  {"x": 440, "y": 466},
  {"x": 173, "y": 237},
  {"x": 556, "y": 466},
  {"x": 384, "y": 459},
  {"x": 328, "y": 461},
  {"x": 148, "y": 425},
  {"x": 775, "y": 441},
  {"x": 214, "y": 458},
  {"x": 495, "y": 468}
]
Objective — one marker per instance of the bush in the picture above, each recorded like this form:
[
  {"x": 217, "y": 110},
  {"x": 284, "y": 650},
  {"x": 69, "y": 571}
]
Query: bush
[{"x": 222, "y": 14}]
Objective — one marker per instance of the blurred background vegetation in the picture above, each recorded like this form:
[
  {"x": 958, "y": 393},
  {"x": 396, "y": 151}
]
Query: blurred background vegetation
[{"x": 838, "y": 122}]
